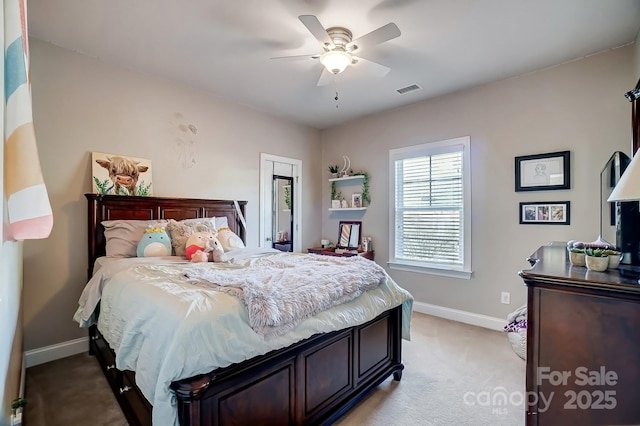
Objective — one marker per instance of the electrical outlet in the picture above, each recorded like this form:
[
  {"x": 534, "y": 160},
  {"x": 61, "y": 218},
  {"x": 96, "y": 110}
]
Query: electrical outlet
[{"x": 505, "y": 297}]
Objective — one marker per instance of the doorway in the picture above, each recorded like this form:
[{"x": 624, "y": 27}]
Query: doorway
[{"x": 280, "y": 207}]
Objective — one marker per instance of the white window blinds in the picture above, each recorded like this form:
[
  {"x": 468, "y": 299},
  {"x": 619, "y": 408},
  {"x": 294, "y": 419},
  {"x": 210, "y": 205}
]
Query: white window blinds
[
  {"x": 428, "y": 197},
  {"x": 429, "y": 208}
]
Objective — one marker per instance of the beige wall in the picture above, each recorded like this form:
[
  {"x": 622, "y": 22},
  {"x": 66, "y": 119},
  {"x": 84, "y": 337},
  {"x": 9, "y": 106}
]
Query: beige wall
[
  {"x": 11, "y": 334},
  {"x": 578, "y": 106},
  {"x": 83, "y": 105}
]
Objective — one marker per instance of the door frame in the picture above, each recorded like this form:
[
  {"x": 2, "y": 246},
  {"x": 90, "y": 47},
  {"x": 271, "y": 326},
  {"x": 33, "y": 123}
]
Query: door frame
[{"x": 265, "y": 207}]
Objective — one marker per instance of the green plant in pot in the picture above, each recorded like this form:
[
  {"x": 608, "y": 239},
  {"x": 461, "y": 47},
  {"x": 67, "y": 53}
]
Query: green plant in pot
[
  {"x": 577, "y": 256},
  {"x": 614, "y": 258},
  {"x": 596, "y": 259},
  {"x": 333, "y": 169}
]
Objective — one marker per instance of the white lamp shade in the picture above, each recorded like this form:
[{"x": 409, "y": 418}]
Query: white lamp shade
[
  {"x": 335, "y": 61},
  {"x": 628, "y": 188}
]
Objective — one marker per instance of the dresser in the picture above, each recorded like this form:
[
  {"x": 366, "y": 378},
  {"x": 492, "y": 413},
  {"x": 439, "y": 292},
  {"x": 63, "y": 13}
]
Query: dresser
[{"x": 583, "y": 342}]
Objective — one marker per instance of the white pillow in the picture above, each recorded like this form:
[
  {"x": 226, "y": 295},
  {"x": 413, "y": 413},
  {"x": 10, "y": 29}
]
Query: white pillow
[{"x": 122, "y": 236}]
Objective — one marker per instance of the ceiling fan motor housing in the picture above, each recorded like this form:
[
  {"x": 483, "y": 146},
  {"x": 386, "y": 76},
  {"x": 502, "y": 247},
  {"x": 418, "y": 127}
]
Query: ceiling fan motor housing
[{"x": 340, "y": 37}]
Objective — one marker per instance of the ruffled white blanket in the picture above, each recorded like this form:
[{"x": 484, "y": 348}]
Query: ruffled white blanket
[{"x": 284, "y": 289}]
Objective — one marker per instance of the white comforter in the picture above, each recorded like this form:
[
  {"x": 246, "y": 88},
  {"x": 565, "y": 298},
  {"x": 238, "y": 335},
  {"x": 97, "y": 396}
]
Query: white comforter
[{"x": 198, "y": 329}]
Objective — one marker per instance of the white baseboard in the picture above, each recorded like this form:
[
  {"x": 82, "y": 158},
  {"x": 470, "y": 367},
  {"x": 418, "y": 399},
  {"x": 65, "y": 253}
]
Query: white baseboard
[
  {"x": 57, "y": 351},
  {"x": 460, "y": 316}
]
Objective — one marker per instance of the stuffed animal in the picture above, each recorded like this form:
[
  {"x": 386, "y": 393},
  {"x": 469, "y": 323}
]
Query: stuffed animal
[
  {"x": 200, "y": 241},
  {"x": 154, "y": 242},
  {"x": 218, "y": 253},
  {"x": 200, "y": 256}
]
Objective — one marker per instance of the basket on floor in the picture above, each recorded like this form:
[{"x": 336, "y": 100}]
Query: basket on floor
[{"x": 518, "y": 340}]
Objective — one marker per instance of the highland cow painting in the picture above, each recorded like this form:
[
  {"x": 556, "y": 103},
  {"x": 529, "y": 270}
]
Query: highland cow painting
[{"x": 121, "y": 175}]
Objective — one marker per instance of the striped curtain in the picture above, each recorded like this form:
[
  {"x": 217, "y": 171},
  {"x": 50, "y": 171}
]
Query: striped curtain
[{"x": 27, "y": 210}]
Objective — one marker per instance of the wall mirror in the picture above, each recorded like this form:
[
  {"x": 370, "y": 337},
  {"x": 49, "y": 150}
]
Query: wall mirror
[
  {"x": 282, "y": 232},
  {"x": 609, "y": 177},
  {"x": 349, "y": 235},
  {"x": 611, "y": 214}
]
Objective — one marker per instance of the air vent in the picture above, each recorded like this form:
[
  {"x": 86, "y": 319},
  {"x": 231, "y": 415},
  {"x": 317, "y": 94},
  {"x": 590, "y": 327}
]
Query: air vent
[{"x": 410, "y": 88}]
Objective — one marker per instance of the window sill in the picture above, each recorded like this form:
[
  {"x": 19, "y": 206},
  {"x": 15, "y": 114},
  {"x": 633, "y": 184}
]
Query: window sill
[{"x": 422, "y": 269}]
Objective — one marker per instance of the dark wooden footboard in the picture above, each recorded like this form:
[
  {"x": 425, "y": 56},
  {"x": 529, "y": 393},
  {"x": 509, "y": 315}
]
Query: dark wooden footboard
[{"x": 315, "y": 381}]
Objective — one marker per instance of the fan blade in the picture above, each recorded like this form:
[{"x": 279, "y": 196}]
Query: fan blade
[
  {"x": 298, "y": 57},
  {"x": 382, "y": 34},
  {"x": 315, "y": 27},
  {"x": 326, "y": 77},
  {"x": 371, "y": 67}
]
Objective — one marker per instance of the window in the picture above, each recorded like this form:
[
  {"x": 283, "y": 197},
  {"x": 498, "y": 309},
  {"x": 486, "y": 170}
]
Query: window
[{"x": 430, "y": 217}]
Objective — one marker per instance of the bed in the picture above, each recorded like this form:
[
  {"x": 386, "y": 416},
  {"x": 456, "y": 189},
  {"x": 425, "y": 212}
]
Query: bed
[{"x": 295, "y": 379}]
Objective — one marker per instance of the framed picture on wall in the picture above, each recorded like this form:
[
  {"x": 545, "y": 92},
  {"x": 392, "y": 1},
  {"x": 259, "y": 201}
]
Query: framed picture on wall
[
  {"x": 543, "y": 172},
  {"x": 120, "y": 175},
  {"x": 545, "y": 213}
]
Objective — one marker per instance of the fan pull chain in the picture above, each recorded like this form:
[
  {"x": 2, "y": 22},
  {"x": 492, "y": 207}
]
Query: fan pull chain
[{"x": 335, "y": 85}]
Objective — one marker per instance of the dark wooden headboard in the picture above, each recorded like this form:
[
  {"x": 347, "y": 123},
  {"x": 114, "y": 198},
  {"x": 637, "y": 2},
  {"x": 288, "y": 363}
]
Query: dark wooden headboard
[{"x": 119, "y": 207}]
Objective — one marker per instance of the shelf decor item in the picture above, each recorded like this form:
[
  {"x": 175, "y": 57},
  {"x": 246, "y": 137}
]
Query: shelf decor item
[
  {"x": 356, "y": 200},
  {"x": 366, "y": 198}
]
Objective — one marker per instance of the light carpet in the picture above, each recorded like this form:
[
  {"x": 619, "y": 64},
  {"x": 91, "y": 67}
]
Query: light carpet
[{"x": 455, "y": 374}]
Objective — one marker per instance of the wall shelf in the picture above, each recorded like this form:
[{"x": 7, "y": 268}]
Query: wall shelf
[
  {"x": 348, "y": 209},
  {"x": 346, "y": 178}
]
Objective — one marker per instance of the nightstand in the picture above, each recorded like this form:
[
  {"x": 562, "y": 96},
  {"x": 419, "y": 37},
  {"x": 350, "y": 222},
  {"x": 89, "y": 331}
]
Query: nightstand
[{"x": 332, "y": 252}]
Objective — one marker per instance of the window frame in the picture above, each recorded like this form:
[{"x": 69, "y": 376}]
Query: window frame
[{"x": 429, "y": 149}]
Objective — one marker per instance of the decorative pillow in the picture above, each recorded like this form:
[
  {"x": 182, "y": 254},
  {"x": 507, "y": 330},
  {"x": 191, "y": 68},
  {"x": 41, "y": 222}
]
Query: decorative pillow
[
  {"x": 180, "y": 231},
  {"x": 154, "y": 242},
  {"x": 229, "y": 239},
  {"x": 122, "y": 236}
]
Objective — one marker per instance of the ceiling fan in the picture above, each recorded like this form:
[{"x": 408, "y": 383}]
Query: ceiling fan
[{"x": 340, "y": 49}]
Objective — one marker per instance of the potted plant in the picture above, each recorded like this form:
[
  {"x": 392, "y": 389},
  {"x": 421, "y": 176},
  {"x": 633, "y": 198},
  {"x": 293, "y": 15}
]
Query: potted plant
[
  {"x": 596, "y": 259},
  {"x": 333, "y": 169},
  {"x": 576, "y": 256},
  {"x": 614, "y": 258}
]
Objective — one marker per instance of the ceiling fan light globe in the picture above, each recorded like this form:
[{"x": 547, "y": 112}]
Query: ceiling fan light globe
[{"x": 335, "y": 61}]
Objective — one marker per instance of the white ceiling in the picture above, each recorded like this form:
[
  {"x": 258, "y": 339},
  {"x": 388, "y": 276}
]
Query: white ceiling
[{"x": 223, "y": 47}]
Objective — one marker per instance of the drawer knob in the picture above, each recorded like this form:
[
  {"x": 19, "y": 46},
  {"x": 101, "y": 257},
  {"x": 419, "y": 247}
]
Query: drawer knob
[
  {"x": 109, "y": 367},
  {"x": 125, "y": 389}
]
